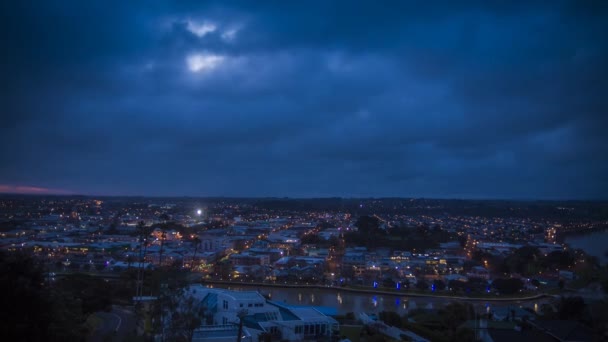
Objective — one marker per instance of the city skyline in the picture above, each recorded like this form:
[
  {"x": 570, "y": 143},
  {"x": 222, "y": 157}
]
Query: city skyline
[{"x": 303, "y": 100}]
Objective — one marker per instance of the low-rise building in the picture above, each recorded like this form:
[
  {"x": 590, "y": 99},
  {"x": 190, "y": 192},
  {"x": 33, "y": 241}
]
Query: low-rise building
[{"x": 222, "y": 308}]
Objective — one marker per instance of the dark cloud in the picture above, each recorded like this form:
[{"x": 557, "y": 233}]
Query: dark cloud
[{"x": 473, "y": 99}]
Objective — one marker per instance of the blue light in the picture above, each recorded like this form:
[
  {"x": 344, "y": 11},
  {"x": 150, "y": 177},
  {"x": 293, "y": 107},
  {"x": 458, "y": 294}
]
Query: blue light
[
  {"x": 398, "y": 285},
  {"x": 433, "y": 287},
  {"x": 375, "y": 284}
]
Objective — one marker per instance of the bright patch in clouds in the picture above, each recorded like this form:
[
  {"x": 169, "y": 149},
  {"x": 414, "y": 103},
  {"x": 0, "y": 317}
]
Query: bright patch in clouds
[
  {"x": 200, "y": 29},
  {"x": 203, "y": 62}
]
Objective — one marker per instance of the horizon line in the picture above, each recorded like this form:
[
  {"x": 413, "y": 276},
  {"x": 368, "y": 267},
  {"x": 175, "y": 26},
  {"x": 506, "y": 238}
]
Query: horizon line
[{"x": 488, "y": 199}]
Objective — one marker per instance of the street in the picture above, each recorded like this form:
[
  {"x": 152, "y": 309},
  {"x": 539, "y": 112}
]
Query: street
[{"x": 116, "y": 325}]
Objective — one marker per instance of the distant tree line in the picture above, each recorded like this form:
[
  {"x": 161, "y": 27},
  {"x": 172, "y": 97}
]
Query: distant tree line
[{"x": 371, "y": 235}]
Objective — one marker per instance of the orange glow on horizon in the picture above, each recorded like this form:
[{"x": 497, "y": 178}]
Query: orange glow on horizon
[{"x": 31, "y": 190}]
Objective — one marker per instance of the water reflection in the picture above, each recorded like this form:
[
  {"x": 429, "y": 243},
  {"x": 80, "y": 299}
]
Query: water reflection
[
  {"x": 345, "y": 302},
  {"x": 593, "y": 243}
]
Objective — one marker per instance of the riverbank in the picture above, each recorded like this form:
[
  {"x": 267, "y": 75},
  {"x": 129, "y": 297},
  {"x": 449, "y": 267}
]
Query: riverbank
[
  {"x": 380, "y": 292},
  {"x": 593, "y": 243}
]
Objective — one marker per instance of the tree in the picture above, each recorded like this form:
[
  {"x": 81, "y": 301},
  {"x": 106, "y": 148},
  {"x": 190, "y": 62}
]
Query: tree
[
  {"x": 571, "y": 308},
  {"x": 524, "y": 260},
  {"x": 25, "y": 302},
  {"x": 368, "y": 225},
  {"x": 180, "y": 315},
  {"x": 439, "y": 284},
  {"x": 422, "y": 285},
  {"x": 558, "y": 259},
  {"x": 390, "y": 318},
  {"x": 463, "y": 335},
  {"x": 388, "y": 282},
  {"x": 508, "y": 285},
  {"x": 334, "y": 241},
  {"x": 30, "y": 310},
  {"x": 113, "y": 229},
  {"x": 197, "y": 243},
  {"x": 454, "y": 315},
  {"x": 457, "y": 285}
]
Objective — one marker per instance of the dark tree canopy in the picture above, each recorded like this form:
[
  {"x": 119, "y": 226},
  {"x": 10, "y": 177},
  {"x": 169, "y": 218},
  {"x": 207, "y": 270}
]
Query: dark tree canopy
[
  {"x": 25, "y": 301},
  {"x": 508, "y": 285},
  {"x": 31, "y": 311},
  {"x": 368, "y": 225}
]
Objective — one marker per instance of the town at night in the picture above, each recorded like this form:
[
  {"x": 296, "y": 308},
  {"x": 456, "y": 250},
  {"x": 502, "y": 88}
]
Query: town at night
[{"x": 338, "y": 171}]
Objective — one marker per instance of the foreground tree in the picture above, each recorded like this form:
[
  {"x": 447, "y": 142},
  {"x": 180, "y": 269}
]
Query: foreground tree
[
  {"x": 25, "y": 302},
  {"x": 180, "y": 314},
  {"x": 31, "y": 310},
  {"x": 571, "y": 308},
  {"x": 454, "y": 315}
]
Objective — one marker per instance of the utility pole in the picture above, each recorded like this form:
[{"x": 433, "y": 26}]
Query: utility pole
[
  {"x": 142, "y": 258},
  {"x": 241, "y": 314}
]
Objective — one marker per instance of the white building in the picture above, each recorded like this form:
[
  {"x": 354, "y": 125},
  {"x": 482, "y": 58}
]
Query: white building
[{"x": 220, "y": 308}]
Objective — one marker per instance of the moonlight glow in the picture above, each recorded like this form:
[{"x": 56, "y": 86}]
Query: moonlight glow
[{"x": 203, "y": 62}]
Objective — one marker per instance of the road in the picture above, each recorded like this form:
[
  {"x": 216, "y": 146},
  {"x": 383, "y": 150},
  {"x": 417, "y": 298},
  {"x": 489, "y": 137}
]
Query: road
[{"x": 116, "y": 325}]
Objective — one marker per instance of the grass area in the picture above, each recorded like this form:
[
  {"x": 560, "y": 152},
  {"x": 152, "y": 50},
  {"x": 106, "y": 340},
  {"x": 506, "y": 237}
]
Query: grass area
[{"x": 351, "y": 332}]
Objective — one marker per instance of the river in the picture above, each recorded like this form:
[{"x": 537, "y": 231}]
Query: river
[
  {"x": 594, "y": 243},
  {"x": 344, "y": 301}
]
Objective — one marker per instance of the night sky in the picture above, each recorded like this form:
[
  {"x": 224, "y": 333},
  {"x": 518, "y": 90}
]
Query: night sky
[{"x": 487, "y": 99}]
